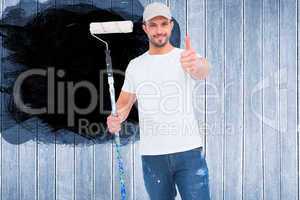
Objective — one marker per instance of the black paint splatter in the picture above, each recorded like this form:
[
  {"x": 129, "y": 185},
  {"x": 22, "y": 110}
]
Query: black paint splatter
[{"x": 59, "y": 38}]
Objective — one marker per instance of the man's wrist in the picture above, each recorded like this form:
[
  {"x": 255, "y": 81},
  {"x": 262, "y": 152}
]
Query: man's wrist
[
  {"x": 201, "y": 64},
  {"x": 122, "y": 117}
]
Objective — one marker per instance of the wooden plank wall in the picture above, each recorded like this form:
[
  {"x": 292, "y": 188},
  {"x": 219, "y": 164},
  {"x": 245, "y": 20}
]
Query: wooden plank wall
[{"x": 248, "y": 109}]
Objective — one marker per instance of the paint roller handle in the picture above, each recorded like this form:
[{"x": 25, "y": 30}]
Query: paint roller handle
[
  {"x": 108, "y": 63},
  {"x": 113, "y": 121},
  {"x": 110, "y": 81}
]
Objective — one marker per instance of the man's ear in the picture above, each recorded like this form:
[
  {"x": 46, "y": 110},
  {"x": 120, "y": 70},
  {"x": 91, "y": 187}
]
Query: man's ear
[
  {"x": 172, "y": 24},
  {"x": 145, "y": 28}
]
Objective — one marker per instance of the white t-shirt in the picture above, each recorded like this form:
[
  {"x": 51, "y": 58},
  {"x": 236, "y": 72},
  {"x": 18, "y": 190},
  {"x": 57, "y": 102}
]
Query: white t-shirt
[{"x": 165, "y": 105}]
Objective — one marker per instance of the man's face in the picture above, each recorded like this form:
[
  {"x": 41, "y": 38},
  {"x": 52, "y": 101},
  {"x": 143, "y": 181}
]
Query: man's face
[{"x": 158, "y": 30}]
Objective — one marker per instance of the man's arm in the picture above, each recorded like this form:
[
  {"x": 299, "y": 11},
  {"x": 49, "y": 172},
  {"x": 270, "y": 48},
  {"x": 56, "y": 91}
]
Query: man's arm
[{"x": 124, "y": 104}]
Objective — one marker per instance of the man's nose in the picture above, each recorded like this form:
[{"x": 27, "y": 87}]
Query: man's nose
[{"x": 159, "y": 30}]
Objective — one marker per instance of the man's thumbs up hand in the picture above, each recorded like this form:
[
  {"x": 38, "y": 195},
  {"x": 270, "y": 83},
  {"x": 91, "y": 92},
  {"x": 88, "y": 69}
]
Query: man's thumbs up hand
[{"x": 191, "y": 63}]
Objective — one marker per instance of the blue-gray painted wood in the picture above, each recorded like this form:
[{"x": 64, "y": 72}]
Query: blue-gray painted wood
[
  {"x": 233, "y": 101},
  {"x": 10, "y": 164},
  {"x": 215, "y": 97},
  {"x": 28, "y": 160},
  {"x": 298, "y": 87},
  {"x": 288, "y": 99},
  {"x": 65, "y": 165},
  {"x": 84, "y": 168},
  {"x": 253, "y": 169},
  {"x": 104, "y": 4},
  {"x": 270, "y": 114},
  {"x": 249, "y": 104},
  {"x": 103, "y": 180},
  {"x": 46, "y": 163}
]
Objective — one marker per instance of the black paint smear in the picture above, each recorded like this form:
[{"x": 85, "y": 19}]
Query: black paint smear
[{"x": 60, "y": 38}]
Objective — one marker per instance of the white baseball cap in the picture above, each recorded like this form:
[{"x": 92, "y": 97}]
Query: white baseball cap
[{"x": 156, "y": 9}]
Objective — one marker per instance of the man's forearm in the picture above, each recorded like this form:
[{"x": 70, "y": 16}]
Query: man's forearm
[{"x": 123, "y": 110}]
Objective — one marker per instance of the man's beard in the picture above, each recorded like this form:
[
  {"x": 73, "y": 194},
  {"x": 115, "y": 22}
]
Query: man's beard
[{"x": 159, "y": 45}]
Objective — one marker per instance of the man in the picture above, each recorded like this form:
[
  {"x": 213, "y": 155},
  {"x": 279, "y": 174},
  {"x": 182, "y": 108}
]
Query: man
[{"x": 162, "y": 80}]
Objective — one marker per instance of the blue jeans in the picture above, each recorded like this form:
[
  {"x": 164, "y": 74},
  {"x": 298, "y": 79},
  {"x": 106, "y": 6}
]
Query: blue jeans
[{"x": 188, "y": 170}]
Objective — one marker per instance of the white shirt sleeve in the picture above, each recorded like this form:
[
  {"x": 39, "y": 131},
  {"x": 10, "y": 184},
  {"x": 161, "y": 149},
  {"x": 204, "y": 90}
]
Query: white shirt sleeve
[{"x": 129, "y": 84}]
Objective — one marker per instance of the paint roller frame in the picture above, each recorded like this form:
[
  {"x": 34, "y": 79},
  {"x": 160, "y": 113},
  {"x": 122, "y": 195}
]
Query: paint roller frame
[{"x": 113, "y": 27}]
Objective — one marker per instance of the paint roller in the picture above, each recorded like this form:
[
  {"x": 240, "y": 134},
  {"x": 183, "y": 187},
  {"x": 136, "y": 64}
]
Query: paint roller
[{"x": 112, "y": 28}]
